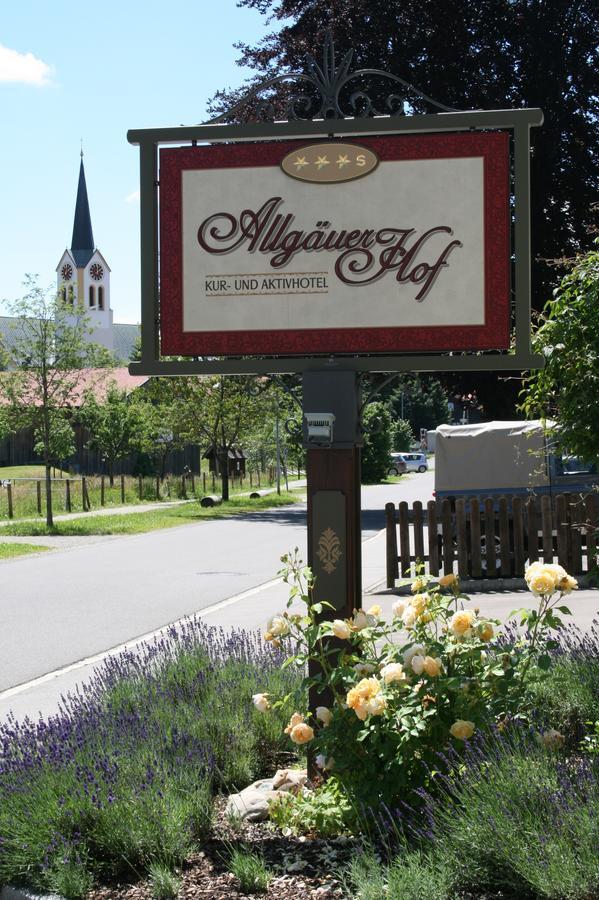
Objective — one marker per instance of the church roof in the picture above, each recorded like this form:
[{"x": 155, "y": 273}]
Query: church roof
[{"x": 82, "y": 242}]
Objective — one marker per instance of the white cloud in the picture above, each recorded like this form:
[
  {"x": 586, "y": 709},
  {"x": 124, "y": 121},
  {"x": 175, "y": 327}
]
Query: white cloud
[
  {"x": 23, "y": 68},
  {"x": 133, "y": 197}
]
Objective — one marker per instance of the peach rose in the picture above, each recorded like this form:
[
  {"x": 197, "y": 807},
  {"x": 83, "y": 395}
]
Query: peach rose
[
  {"x": 432, "y": 666},
  {"x": 296, "y": 719},
  {"x": 417, "y": 663},
  {"x": 341, "y": 629},
  {"x": 301, "y": 733},
  {"x": 486, "y": 631},
  {"x": 324, "y": 715},
  {"x": 461, "y": 622},
  {"x": 462, "y": 729},
  {"x": 446, "y": 581},
  {"x": 278, "y": 626},
  {"x": 393, "y": 673}
]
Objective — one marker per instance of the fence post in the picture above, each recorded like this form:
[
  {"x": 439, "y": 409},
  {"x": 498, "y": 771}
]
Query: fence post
[
  {"x": 392, "y": 568},
  {"x": 462, "y": 544},
  {"x": 504, "y": 539},
  {"x": 561, "y": 524},
  {"x": 490, "y": 555},
  {"x": 532, "y": 529},
  {"x": 84, "y": 494},
  {"x": 9, "y": 498},
  {"x": 519, "y": 554},
  {"x": 475, "y": 558},
  {"x": 141, "y": 486},
  {"x": 547, "y": 526},
  {"x": 183, "y": 488},
  {"x": 39, "y": 497},
  {"x": 203, "y": 482},
  {"x": 404, "y": 540},
  {"x": 102, "y": 490},
  {"x": 576, "y": 525},
  {"x": 447, "y": 537},
  {"x": 433, "y": 538},
  {"x": 122, "y": 489},
  {"x": 213, "y": 483},
  {"x": 419, "y": 555},
  {"x": 158, "y": 487},
  {"x": 68, "y": 495},
  {"x": 193, "y": 484}
]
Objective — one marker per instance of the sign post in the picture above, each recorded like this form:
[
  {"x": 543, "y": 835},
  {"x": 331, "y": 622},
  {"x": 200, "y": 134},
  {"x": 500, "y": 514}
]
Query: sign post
[{"x": 307, "y": 233}]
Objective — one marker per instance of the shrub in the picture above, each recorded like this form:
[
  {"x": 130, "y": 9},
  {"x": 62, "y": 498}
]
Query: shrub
[
  {"x": 389, "y": 705},
  {"x": 123, "y": 777}
]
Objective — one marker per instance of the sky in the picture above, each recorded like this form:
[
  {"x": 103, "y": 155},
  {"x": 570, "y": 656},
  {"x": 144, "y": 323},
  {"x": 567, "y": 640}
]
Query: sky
[{"x": 73, "y": 72}]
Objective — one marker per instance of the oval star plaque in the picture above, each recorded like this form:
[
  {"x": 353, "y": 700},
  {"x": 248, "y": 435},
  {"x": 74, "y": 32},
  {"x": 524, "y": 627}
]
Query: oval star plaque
[{"x": 329, "y": 163}]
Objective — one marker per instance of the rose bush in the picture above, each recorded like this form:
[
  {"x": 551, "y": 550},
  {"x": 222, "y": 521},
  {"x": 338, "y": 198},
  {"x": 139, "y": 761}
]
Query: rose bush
[{"x": 390, "y": 696}]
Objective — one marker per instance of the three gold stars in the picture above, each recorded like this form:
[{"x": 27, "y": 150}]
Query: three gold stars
[{"x": 322, "y": 161}]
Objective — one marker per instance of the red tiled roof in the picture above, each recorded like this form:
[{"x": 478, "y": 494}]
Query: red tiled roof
[{"x": 98, "y": 381}]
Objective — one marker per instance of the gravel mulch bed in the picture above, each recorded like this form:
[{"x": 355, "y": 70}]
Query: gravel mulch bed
[{"x": 303, "y": 869}]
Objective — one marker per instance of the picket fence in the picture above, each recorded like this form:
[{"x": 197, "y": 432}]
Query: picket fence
[{"x": 483, "y": 537}]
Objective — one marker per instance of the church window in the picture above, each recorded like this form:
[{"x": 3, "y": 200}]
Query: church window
[
  {"x": 63, "y": 294},
  {"x": 71, "y": 294},
  {"x": 100, "y": 297},
  {"x": 92, "y": 295}
]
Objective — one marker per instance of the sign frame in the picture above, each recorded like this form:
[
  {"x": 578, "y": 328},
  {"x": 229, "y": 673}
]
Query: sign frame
[{"x": 517, "y": 122}]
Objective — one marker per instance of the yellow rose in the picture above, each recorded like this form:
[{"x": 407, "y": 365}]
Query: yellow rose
[
  {"x": 376, "y": 705},
  {"x": 419, "y": 584},
  {"x": 324, "y": 715},
  {"x": 418, "y": 664},
  {"x": 301, "y": 734},
  {"x": 486, "y": 631},
  {"x": 375, "y": 610},
  {"x": 341, "y": 629},
  {"x": 278, "y": 626},
  {"x": 432, "y": 666},
  {"x": 409, "y": 617},
  {"x": 261, "y": 702},
  {"x": 363, "y": 698},
  {"x": 462, "y": 729},
  {"x": 414, "y": 650},
  {"x": 392, "y": 673},
  {"x": 461, "y": 621},
  {"x": 296, "y": 719},
  {"x": 446, "y": 581},
  {"x": 268, "y": 636},
  {"x": 419, "y": 603},
  {"x": 541, "y": 583},
  {"x": 363, "y": 619},
  {"x": 398, "y": 608},
  {"x": 567, "y": 584}
]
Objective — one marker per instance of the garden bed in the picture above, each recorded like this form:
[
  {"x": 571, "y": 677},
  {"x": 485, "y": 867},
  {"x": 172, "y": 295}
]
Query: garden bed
[{"x": 121, "y": 795}]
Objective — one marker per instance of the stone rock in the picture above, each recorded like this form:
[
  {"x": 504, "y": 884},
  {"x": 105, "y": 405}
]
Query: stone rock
[{"x": 289, "y": 779}]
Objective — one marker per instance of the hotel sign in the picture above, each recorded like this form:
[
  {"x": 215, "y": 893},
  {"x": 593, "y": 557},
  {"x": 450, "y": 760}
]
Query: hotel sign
[{"x": 389, "y": 244}]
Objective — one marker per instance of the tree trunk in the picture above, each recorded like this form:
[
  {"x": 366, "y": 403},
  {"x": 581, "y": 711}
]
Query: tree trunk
[
  {"x": 49, "y": 517},
  {"x": 224, "y": 473}
]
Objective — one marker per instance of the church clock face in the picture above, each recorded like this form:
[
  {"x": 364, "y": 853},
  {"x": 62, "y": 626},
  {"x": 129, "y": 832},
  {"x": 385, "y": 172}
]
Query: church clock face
[
  {"x": 96, "y": 271},
  {"x": 66, "y": 272}
]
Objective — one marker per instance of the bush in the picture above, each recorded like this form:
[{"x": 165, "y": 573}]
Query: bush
[{"x": 391, "y": 703}]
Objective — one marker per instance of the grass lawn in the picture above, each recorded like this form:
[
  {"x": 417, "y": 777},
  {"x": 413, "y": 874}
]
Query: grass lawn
[
  {"x": 29, "y": 472},
  {"x": 7, "y": 551},
  {"x": 137, "y": 523}
]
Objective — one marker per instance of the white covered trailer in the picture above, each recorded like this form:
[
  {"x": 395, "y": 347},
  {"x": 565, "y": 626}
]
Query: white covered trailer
[{"x": 491, "y": 458}]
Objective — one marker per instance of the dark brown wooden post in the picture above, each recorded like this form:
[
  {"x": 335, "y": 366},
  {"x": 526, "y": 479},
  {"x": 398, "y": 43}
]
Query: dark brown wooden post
[
  {"x": 141, "y": 487},
  {"x": 102, "y": 490},
  {"x": 591, "y": 504},
  {"x": 475, "y": 537},
  {"x": 9, "y": 498},
  {"x": 547, "y": 526},
  {"x": 68, "y": 495},
  {"x": 447, "y": 533},
  {"x": 519, "y": 554},
  {"x": 490, "y": 555},
  {"x": 419, "y": 555},
  {"x": 183, "y": 488},
  {"x": 84, "y": 495},
  {"x": 404, "y": 541},
  {"x": 504, "y": 538},
  {"x": 39, "y": 497},
  {"x": 391, "y": 543},
  {"x": 433, "y": 538},
  {"x": 158, "y": 487},
  {"x": 461, "y": 541},
  {"x": 123, "y": 489}
]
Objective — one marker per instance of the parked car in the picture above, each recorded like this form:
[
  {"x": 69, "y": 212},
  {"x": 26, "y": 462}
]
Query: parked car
[
  {"x": 415, "y": 462},
  {"x": 397, "y": 465}
]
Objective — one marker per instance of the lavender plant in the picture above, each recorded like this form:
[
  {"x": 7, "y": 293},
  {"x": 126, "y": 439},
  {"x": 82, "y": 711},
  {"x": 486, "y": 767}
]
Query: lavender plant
[{"x": 123, "y": 776}]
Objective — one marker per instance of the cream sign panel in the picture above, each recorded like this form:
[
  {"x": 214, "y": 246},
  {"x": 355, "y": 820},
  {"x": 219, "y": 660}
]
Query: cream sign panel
[
  {"x": 391, "y": 244},
  {"x": 401, "y": 246}
]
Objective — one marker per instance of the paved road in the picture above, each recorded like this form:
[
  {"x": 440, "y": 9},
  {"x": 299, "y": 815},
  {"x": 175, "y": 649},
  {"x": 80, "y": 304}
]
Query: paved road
[{"x": 65, "y": 606}]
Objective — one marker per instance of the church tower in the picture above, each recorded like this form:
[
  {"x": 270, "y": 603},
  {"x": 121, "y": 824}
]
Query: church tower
[{"x": 83, "y": 275}]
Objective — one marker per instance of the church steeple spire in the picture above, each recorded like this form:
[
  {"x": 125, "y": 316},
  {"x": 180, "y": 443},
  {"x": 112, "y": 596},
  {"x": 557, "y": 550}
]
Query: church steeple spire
[{"x": 82, "y": 242}]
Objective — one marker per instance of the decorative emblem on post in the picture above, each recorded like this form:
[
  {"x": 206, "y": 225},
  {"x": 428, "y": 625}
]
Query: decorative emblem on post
[{"x": 329, "y": 550}]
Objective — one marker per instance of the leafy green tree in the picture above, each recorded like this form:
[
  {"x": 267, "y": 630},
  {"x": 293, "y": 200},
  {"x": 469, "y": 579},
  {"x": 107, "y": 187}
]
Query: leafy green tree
[
  {"x": 501, "y": 54},
  {"x": 567, "y": 389},
  {"x": 114, "y": 423},
  {"x": 419, "y": 399},
  {"x": 377, "y": 442},
  {"x": 402, "y": 435},
  {"x": 48, "y": 351}
]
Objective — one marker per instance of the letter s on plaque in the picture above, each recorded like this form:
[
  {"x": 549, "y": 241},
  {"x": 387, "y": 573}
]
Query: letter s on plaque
[{"x": 329, "y": 162}]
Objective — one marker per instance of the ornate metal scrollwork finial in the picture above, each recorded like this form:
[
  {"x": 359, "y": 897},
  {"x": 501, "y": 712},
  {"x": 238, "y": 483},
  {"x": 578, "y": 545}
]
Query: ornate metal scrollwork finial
[{"x": 324, "y": 92}]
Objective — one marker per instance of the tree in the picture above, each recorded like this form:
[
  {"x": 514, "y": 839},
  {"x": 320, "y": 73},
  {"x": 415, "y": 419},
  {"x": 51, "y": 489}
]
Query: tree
[
  {"x": 115, "y": 424},
  {"x": 402, "y": 436},
  {"x": 377, "y": 442},
  {"x": 216, "y": 412},
  {"x": 47, "y": 355},
  {"x": 419, "y": 399},
  {"x": 502, "y": 53},
  {"x": 567, "y": 389}
]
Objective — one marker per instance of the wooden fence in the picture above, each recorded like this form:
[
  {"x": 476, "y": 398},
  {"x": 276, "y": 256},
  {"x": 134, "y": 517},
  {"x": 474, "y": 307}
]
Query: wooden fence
[{"x": 483, "y": 537}]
